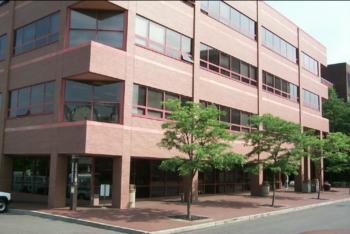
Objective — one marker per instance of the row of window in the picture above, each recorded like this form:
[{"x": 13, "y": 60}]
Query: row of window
[
  {"x": 3, "y": 44},
  {"x": 106, "y": 27},
  {"x": 149, "y": 102},
  {"x": 278, "y": 86},
  {"x": 37, "y": 33},
  {"x": 309, "y": 63},
  {"x": 161, "y": 39},
  {"x": 226, "y": 14},
  {"x": 238, "y": 120},
  {"x": 279, "y": 45},
  {"x": 311, "y": 100},
  {"x": 92, "y": 100},
  {"x": 229, "y": 66},
  {"x": 36, "y": 99}
]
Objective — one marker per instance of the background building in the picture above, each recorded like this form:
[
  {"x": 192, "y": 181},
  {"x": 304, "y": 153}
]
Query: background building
[
  {"x": 87, "y": 78},
  {"x": 339, "y": 75}
]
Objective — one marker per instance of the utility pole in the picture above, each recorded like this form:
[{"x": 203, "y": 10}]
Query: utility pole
[{"x": 74, "y": 183}]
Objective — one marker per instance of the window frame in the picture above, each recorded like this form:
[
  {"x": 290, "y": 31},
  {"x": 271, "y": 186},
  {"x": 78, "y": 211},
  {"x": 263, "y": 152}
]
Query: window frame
[
  {"x": 231, "y": 125},
  {"x": 92, "y": 102},
  {"x": 34, "y": 40},
  {"x": 29, "y": 106},
  {"x": 96, "y": 30},
  {"x": 205, "y": 8},
  {"x": 146, "y": 108},
  {"x": 228, "y": 73},
  {"x": 267, "y": 34},
  {"x": 310, "y": 104},
  {"x": 183, "y": 56},
  {"x": 279, "y": 92},
  {"x": 5, "y": 38},
  {"x": 306, "y": 63}
]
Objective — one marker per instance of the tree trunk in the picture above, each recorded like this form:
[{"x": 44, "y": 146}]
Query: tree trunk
[
  {"x": 189, "y": 197},
  {"x": 274, "y": 189}
]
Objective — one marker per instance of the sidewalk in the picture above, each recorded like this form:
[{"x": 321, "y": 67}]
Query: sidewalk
[{"x": 151, "y": 216}]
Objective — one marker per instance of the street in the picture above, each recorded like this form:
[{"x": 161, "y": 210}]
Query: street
[
  {"x": 25, "y": 224},
  {"x": 333, "y": 219}
]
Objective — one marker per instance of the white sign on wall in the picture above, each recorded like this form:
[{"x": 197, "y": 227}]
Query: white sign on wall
[{"x": 105, "y": 190}]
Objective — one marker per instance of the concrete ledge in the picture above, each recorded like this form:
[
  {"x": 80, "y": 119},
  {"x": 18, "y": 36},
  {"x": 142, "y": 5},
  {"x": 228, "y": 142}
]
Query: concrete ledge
[{"x": 174, "y": 230}]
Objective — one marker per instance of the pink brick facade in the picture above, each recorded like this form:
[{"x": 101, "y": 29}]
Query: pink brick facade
[{"x": 48, "y": 135}]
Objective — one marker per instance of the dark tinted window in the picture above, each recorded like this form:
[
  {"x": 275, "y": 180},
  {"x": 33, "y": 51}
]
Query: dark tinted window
[
  {"x": 37, "y": 34},
  {"x": 106, "y": 27},
  {"x": 35, "y": 99},
  {"x": 3, "y": 46}
]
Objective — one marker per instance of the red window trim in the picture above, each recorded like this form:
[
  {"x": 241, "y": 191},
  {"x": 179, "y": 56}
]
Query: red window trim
[
  {"x": 44, "y": 104},
  {"x": 232, "y": 125},
  {"x": 34, "y": 40},
  {"x": 123, "y": 30},
  {"x": 91, "y": 102},
  {"x": 146, "y": 108},
  {"x": 165, "y": 47},
  {"x": 242, "y": 32}
]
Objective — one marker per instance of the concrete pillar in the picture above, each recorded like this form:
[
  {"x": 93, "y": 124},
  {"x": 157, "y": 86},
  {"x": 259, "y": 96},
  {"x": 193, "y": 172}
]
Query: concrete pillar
[
  {"x": 57, "y": 181},
  {"x": 120, "y": 186},
  {"x": 299, "y": 179},
  {"x": 320, "y": 176},
  {"x": 194, "y": 182},
  {"x": 307, "y": 168},
  {"x": 256, "y": 181},
  {"x": 5, "y": 173}
]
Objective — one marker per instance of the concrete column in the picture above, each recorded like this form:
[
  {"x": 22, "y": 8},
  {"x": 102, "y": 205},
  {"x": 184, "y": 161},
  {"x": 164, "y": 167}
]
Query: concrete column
[
  {"x": 58, "y": 181},
  {"x": 320, "y": 176},
  {"x": 120, "y": 186},
  {"x": 299, "y": 179},
  {"x": 307, "y": 168},
  {"x": 5, "y": 173},
  {"x": 194, "y": 182},
  {"x": 256, "y": 181}
]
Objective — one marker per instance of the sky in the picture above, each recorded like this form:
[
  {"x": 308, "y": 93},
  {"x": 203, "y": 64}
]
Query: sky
[{"x": 327, "y": 21}]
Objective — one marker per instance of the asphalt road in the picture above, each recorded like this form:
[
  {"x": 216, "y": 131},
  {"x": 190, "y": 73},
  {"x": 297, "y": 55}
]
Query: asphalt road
[
  {"x": 25, "y": 224},
  {"x": 334, "y": 219}
]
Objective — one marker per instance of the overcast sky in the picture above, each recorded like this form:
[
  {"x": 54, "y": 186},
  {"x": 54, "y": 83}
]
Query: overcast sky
[{"x": 327, "y": 21}]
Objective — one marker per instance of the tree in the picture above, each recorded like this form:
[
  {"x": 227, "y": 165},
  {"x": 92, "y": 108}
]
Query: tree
[
  {"x": 338, "y": 112},
  {"x": 203, "y": 142},
  {"x": 276, "y": 145},
  {"x": 336, "y": 149}
]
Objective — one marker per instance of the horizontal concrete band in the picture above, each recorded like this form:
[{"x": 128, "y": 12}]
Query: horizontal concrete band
[{"x": 174, "y": 230}]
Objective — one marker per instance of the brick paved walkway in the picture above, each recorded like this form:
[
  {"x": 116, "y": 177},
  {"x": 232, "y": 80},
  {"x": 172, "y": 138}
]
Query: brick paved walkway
[{"x": 154, "y": 215}]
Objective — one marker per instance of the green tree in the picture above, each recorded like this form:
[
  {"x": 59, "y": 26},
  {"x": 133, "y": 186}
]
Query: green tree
[
  {"x": 338, "y": 112},
  {"x": 275, "y": 145},
  {"x": 203, "y": 142},
  {"x": 336, "y": 149}
]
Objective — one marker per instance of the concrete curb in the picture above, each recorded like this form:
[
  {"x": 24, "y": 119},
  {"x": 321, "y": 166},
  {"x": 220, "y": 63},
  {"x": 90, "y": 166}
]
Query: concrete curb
[
  {"x": 245, "y": 218},
  {"x": 173, "y": 230},
  {"x": 77, "y": 221}
]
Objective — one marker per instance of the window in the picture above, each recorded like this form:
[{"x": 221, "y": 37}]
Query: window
[
  {"x": 37, "y": 34},
  {"x": 280, "y": 87},
  {"x": 311, "y": 100},
  {"x": 309, "y": 63},
  {"x": 106, "y": 27},
  {"x": 3, "y": 46},
  {"x": 149, "y": 102},
  {"x": 31, "y": 175},
  {"x": 36, "y": 99},
  {"x": 277, "y": 44},
  {"x": 229, "y": 16},
  {"x": 236, "y": 119},
  {"x": 229, "y": 66},
  {"x": 163, "y": 40},
  {"x": 87, "y": 100}
]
